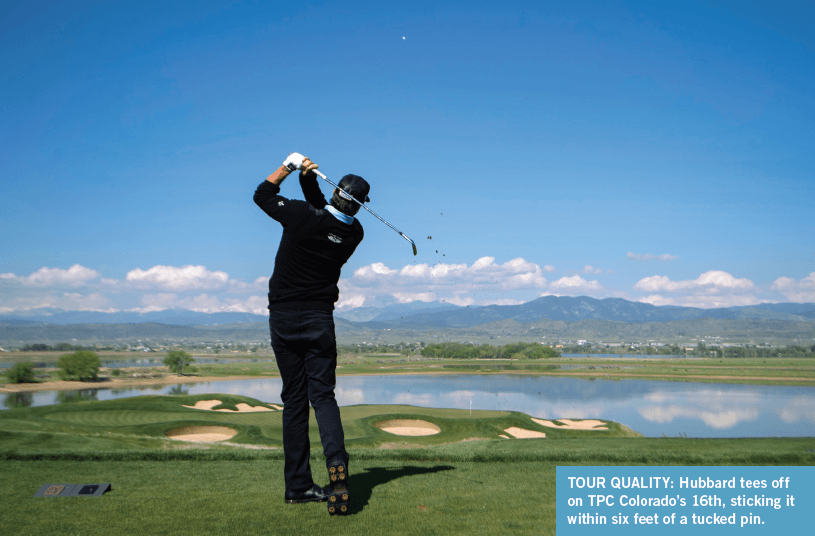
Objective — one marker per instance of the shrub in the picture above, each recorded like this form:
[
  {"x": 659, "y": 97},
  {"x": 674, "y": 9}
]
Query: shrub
[
  {"x": 177, "y": 360},
  {"x": 82, "y": 366},
  {"x": 21, "y": 373}
]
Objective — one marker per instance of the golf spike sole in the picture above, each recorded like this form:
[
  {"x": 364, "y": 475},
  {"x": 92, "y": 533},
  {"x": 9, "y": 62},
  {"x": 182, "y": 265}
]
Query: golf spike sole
[{"x": 338, "y": 501}]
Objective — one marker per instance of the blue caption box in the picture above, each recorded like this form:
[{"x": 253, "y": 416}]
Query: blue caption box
[{"x": 684, "y": 500}]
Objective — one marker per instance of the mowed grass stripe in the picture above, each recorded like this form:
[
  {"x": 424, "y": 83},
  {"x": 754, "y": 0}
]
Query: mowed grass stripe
[{"x": 131, "y": 418}]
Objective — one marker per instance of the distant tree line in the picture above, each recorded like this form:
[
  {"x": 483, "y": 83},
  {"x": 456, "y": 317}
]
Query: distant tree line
[
  {"x": 791, "y": 350},
  {"x": 58, "y": 347},
  {"x": 402, "y": 348},
  {"x": 701, "y": 350},
  {"x": 517, "y": 350}
]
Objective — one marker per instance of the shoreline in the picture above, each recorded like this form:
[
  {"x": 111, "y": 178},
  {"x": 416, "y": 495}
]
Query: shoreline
[
  {"x": 63, "y": 385},
  {"x": 116, "y": 383}
]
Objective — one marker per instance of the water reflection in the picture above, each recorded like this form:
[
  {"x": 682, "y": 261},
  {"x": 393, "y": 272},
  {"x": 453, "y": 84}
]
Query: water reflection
[
  {"x": 179, "y": 389},
  {"x": 81, "y": 395},
  {"x": 18, "y": 400},
  {"x": 652, "y": 408}
]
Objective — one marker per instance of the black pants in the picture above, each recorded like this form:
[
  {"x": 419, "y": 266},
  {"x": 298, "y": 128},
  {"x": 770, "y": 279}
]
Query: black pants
[{"x": 305, "y": 348}]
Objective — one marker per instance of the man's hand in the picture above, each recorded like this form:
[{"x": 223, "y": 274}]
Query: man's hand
[
  {"x": 292, "y": 162},
  {"x": 307, "y": 166}
]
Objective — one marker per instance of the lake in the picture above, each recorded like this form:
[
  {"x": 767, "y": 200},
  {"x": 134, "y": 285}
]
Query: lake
[{"x": 652, "y": 408}]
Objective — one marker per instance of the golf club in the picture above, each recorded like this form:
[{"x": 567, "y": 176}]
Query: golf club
[{"x": 346, "y": 195}]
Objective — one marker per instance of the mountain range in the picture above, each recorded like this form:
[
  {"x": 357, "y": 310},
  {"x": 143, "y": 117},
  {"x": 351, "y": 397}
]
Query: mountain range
[
  {"x": 442, "y": 314},
  {"x": 570, "y": 309}
]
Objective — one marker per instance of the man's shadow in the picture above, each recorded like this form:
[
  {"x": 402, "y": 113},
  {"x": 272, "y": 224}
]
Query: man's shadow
[{"x": 362, "y": 484}]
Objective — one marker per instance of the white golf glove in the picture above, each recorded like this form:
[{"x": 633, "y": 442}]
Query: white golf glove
[{"x": 294, "y": 161}]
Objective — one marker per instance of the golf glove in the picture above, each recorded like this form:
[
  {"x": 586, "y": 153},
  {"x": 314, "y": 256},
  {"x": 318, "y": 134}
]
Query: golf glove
[{"x": 294, "y": 161}]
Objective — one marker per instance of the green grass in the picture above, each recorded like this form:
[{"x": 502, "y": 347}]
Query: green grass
[
  {"x": 221, "y": 497},
  {"x": 490, "y": 487},
  {"x": 142, "y": 422},
  {"x": 428, "y": 485}
]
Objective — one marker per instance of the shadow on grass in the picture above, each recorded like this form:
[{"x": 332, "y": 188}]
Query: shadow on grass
[{"x": 362, "y": 484}]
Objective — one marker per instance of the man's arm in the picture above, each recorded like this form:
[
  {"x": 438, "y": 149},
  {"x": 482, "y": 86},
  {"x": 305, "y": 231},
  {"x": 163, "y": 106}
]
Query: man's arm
[
  {"x": 279, "y": 175},
  {"x": 311, "y": 190},
  {"x": 268, "y": 198},
  {"x": 282, "y": 172}
]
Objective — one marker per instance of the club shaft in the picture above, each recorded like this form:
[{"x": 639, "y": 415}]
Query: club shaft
[{"x": 354, "y": 199}]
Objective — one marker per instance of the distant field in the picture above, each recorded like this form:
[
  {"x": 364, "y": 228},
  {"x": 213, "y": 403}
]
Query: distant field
[{"x": 769, "y": 371}]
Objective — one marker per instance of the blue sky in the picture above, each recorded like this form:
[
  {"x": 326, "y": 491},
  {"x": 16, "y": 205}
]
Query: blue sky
[{"x": 647, "y": 150}]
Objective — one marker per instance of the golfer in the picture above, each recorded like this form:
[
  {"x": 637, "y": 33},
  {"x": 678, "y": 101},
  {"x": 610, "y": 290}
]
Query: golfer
[{"x": 318, "y": 238}]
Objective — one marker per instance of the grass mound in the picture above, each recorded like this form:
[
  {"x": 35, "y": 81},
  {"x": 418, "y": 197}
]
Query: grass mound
[{"x": 145, "y": 422}]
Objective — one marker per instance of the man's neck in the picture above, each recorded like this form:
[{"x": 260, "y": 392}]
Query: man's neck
[{"x": 344, "y": 218}]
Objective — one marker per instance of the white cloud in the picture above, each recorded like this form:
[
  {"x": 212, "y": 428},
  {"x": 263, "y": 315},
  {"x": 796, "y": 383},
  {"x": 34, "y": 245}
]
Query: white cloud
[
  {"x": 70, "y": 301},
  {"x": 453, "y": 283},
  {"x": 796, "y": 290},
  {"x": 574, "y": 285},
  {"x": 713, "y": 288},
  {"x": 373, "y": 270},
  {"x": 589, "y": 269},
  {"x": 702, "y": 301},
  {"x": 720, "y": 420},
  {"x": 83, "y": 289},
  {"x": 407, "y": 297},
  {"x": 178, "y": 279},
  {"x": 711, "y": 281},
  {"x": 461, "y": 301},
  {"x": 203, "y": 303},
  {"x": 75, "y": 276},
  {"x": 501, "y": 301},
  {"x": 349, "y": 301},
  {"x": 650, "y": 257},
  {"x": 800, "y": 408}
]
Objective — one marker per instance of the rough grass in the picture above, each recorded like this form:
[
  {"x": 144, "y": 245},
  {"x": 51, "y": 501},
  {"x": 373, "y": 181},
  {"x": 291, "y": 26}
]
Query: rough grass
[
  {"x": 221, "y": 497},
  {"x": 419, "y": 491}
]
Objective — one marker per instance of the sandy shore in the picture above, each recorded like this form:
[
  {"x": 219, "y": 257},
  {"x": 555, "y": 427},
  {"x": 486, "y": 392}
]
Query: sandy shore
[
  {"x": 117, "y": 383},
  {"x": 121, "y": 383}
]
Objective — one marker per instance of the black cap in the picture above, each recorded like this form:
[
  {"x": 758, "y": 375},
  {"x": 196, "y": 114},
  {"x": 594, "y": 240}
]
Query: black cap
[{"x": 356, "y": 186}]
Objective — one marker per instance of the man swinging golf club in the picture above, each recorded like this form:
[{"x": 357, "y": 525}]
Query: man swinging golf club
[{"x": 318, "y": 238}]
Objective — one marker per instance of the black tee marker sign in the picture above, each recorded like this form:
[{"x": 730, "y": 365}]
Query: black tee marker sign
[{"x": 72, "y": 490}]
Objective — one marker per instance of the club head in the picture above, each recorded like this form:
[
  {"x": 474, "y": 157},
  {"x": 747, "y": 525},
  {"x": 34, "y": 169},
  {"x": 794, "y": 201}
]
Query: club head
[{"x": 415, "y": 252}]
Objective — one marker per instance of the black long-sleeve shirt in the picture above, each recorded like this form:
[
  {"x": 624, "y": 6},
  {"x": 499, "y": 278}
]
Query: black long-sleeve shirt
[{"x": 314, "y": 247}]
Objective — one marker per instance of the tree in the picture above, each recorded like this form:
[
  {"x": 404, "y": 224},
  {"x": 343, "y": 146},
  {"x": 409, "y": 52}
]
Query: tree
[
  {"x": 82, "y": 366},
  {"x": 177, "y": 360},
  {"x": 21, "y": 373}
]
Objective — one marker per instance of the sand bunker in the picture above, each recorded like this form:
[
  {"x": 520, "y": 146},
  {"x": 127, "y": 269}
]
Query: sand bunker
[
  {"x": 242, "y": 407},
  {"x": 520, "y": 433},
  {"x": 568, "y": 424},
  {"x": 408, "y": 427},
  {"x": 201, "y": 433}
]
